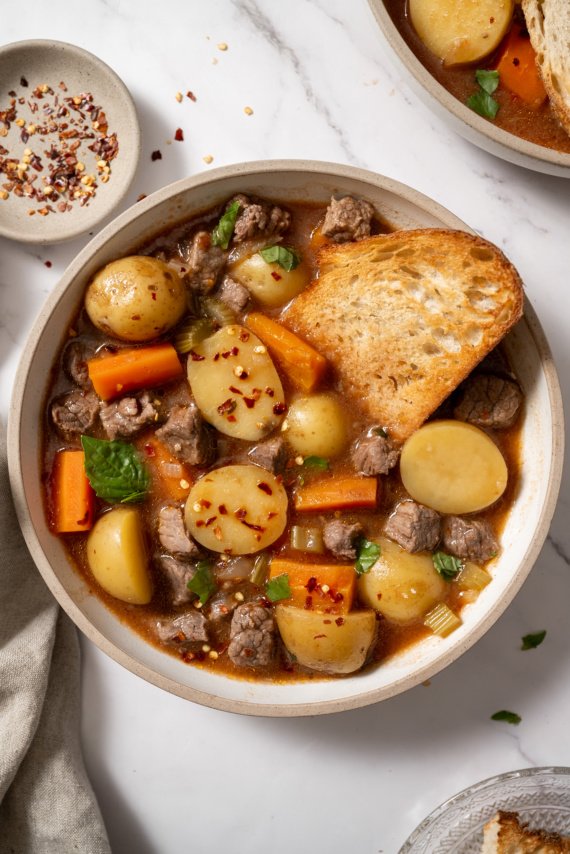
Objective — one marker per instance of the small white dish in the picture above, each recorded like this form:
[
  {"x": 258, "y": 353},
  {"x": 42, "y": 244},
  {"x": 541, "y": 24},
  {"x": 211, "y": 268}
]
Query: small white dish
[{"x": 25, "y": 66}]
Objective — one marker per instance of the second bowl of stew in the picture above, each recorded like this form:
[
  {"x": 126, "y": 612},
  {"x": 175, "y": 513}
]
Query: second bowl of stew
[{"x": 205, "y": 500}]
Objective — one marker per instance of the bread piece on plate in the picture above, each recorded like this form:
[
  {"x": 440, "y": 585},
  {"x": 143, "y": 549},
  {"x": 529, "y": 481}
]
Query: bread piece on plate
[
  {"x": 505, "y": 834},
  {"x": 548, "y": 24},
  {"x": 403, "y": 318}
]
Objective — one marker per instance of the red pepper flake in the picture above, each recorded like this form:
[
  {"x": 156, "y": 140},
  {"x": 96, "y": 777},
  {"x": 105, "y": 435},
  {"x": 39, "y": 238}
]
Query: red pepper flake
[
  {"x": 153, "y": 295},
  {"x": 179, "y": 135},
  {"x": 200, "y": 523},
  {"x": 276, "y": 276},
  {"x": 196, "y": 357},
  {"x": 256, "y": 393},
  {"x": 244, "y": 335},
  {"x": 47, "y": 264},
  {"x": 327, "y": 622},
  {"x": 216, "y": 357},
  {"x": 187, "y": 655},
  {"x": 272, "y": 514},
  {"x": 205, "y": 504},
  {"x": 232, "y": 418},
  {"x": 227, "y": 406},
  {"x": 336, "y": 597},
  {"x": 24, "y": 82},
  {"x": 265, "y": 488},
  {"x": 240, "y": 513},
  {"x": 269, "y": 391},
  {"x": 235, "y": 390},
  {"x": 252, "y": 526},
  {"x": 339, "y": 621},
  {"x": 279, "y": 408},
  {"x": 156, "y": 155},
  {"x": 312, "y": 584},
  {"x": 316, "y": 637},
  {"x": 242, "y": 374},
  {"x": 141, "y": 197},
  {"x": 308, "y": 603},
  {"x": 149, "y": 450},
  {"x": 191, "y": 95},
  {"x": 249, "y": 402},
  {"x": 222, "y": 510},
  {"x": 210, "y": 520},
  {"x": 218, "y": 532}
]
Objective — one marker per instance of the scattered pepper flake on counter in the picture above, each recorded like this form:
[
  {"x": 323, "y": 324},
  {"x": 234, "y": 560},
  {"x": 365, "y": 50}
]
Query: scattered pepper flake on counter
[
  {"x": 47, "y": 264},
  {"x": 179, "y": 135},
  {"x": 156, "y": 155},
  {"x": 191, "y": 95}
]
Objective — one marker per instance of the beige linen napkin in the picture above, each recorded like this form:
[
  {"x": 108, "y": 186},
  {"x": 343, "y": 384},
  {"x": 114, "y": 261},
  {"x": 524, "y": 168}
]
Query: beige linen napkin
[{"x": 46, "y": 802}]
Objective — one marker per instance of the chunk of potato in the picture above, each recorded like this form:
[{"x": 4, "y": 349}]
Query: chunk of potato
[
  {"x": 453, "y": 467},
  {"x": 235, "y": 384},
  {"x": 401, "y": 586},
  {"x": 316, "y": 425},
  {"x": 136, "y": 298},
  {"x": 461, "y": 31},
  {"x": 269, "y": 284},
  {"x": 236, "y": 509},
  {"x": 325, "y": 642},
  {"x": 117, "y": 555}
]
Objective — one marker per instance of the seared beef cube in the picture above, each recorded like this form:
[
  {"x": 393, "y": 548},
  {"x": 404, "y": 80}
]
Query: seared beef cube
[
  {"x": 187, "y": 436},
  {"x": 341, "y": 538},
  {"x": 75, "y": 358},
  {"x": 234, "y": 295},
  {"x": 414, "y": 527},
  {"x": 252, "y": 636},
  {"x": 172, "y": 533},
  {"x": 469, "y": 539},
  {"x": 258, "y": 219},
  {"x": 184, "y": 630},
  {"x": 271, "y": 454},
  {"x": 75, "y": 412},
  {"x": 348, "y": 219},
  {"x": 127, "y": 416},
  {"x": 489, "y": 401},
  {"x": 178, "y": 575},
  {"x": 205, "y": 262},
  {"x": 374, "y": 455}
]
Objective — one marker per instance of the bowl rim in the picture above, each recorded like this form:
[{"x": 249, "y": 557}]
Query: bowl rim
[
  {"x": 14, "y": 447},
  {"x": 478, "y": 129},
  {"x": 70, "y": 232},
  {"x": 489, "y": 782}
]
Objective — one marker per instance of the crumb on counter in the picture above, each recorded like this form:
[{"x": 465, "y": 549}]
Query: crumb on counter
[
  {"x": 208, "y": 158},
  {"x": 222, "y": 46},
  {"x": 248, "y": 111}
]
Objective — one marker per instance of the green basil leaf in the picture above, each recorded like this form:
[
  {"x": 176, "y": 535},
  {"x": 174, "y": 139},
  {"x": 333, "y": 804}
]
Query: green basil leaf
[
  {"x": 487, "y": 80},
  {"x": 447, "y": 565},
  {"x": 508, "y": 717},
  {"x": 115, "y": 470},
  {"x": 533, "y": 640},
  {"x": 286, "y": 257},
  {"x": 222, "y": 233},
  {"x": 278, "y": 588},
  {"x": 202, "y": 582},
  {"x": 366, "y": 556},
  {"x": 316, "y": 463},
  {"x": 484, "y": 104}
]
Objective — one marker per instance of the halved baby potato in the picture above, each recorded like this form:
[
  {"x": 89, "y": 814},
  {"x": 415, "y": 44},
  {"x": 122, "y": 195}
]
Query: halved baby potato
[
  {"x": 269, "y": 284},
  {"x": 316, "y": 426},
  {"x": 461, "y": 31},
  {"x": 327, "y": 642},
  {"x": 236, "y": 509},
  {"x": 453, "y": 467},
  {"x": 235, "y": 384},
  {"x": 401, "y": 586},
  {"x": 117, "y": 555}
]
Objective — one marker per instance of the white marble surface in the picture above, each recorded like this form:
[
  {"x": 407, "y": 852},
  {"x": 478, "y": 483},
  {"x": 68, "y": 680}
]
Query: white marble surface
[{"x": 173, "y": 776}]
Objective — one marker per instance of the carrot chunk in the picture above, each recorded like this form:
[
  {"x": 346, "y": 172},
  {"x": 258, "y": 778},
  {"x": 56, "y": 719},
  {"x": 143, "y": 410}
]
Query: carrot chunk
[
  {"x": 518, "y": 70},
  {"x": 337, "y": 493},
  {"x": 302, "y": 364},
  {"x": 319, "y": 587},
  {"x": 73, "y": 497},
  {"x": 130, "y": 370},
  {"x": 171, "y": 478}
]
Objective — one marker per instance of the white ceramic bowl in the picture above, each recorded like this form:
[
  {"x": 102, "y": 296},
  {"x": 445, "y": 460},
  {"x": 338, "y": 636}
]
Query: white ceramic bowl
[
  {"x": 458, "y": 116},
  {"x": 526, "y": 529}
]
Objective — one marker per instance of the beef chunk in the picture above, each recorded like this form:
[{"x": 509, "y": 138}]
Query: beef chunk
[
  {"x": 172, "y": 533},
  {"x": 348, "y": 219},
  {"x": 178, "y": 574},
  {"x": 414, "y": 527},
  {"x": 234, "y": 295},
  {"x": 341, "y": 538},
  {"x": 489, "y": 401},
  {"x": 187, "y": 436},
  {"x": 271, "y": 454},
  {"x": 374, "y": 454},
  {"x": 184, "y": 630},
  {"x": 127, "y": 416},
  {"x": 470, "y": 539},
  {"x": 258, "y": 219},
  {"x": 252, "y": 636},
  {"x": 75, "y": 412},
  {"x": 205, "y": 262},
  {"x": 75, "y": 358}
]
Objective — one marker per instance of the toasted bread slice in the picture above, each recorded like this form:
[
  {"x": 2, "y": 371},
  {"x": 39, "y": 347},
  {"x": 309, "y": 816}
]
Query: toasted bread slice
[
  {"x": 404, "y": 317},
  {"x": 548, "y": 24},
  {"x": 505, "y": 834}
]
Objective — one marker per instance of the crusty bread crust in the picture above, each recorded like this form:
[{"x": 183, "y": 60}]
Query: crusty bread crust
[
  {"x": 548, "y": 24},
  {"x": 403, "y": 318},
  {"x": 505, "y": 834}
]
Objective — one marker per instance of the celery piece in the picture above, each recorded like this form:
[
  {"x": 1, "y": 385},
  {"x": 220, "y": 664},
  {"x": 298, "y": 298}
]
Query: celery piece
[
  {"x": 306, "y": 539},
  {"x": 441, "y": 620},
  {"x": 473, "y": 577},
  {"x": 260, "y": 569}
]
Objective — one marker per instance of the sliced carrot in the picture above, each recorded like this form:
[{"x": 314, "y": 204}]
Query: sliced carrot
[
  {"x": 321, "y": 587},
  {"x": 130, "y": 370},
  {"x": 337, "y": 493},
  {"x": 518, "y": 71},
  {"x": 73, "y": 497},
  {"x": 171, "y": 478},
  {"x": 302, "y": 364}
]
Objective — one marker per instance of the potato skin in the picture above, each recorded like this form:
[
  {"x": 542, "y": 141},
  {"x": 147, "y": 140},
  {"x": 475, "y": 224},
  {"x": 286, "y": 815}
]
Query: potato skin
[
  {"x": 269, "y": 284},
  {"x": 136, "y": 299},
  {"x": 316, "y": 426},
  {"x": 117, "y": 555},
  {"x": 325, "y": 642},
  {"x": 401, "y": 586}
]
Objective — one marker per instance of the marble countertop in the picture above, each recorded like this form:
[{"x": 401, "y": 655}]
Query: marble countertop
[{"x": 321, "y": 83}]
